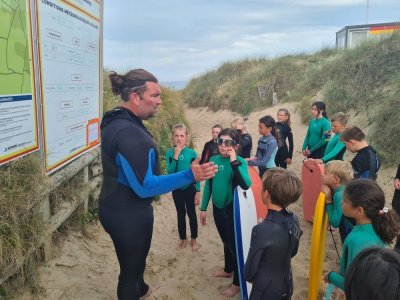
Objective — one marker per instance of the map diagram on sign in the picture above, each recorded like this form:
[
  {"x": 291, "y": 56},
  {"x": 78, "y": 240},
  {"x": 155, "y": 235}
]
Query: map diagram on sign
[
  {"x": 15, "y": 70},
  {"x": 18, "y": 123}
]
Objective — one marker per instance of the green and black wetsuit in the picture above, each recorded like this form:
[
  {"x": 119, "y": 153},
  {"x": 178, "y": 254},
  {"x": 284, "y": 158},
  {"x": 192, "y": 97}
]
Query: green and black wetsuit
[
  {"x": 221, "y": 188},
  {"x": 184, "y": 196},
  {"x": 335, "y": 214},
  {"x": 361, "y": 237},
  {"x": 315, "y": 140}
]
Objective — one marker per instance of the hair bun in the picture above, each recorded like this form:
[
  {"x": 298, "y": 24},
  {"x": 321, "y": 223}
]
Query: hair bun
[{"x": 117, "y": 82}]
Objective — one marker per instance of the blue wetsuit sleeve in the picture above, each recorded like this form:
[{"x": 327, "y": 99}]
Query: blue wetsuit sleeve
[
  {"x": 151, "y": 185},
  {"x": 270, "y": 148}
]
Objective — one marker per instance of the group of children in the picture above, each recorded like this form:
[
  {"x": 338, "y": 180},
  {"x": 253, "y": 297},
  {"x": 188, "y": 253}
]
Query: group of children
[{"x": 356, "y": 207}]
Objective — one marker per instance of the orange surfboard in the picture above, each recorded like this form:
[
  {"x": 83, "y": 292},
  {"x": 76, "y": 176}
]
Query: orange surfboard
[
  {"x": 256, "y": 186},
  {"x": 311, "y": 177}
]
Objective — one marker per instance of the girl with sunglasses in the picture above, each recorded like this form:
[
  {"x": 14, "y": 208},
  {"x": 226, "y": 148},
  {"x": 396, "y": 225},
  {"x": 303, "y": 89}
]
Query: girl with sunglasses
[
  {"x": 232, "y": 171},
  {"x": 267, "y": 145}
]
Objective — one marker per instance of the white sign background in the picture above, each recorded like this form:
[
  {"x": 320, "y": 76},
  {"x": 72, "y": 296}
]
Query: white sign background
[{"x": 69, "y": 48}]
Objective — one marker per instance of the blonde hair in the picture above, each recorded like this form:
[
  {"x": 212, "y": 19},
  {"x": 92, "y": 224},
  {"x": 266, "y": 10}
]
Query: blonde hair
[
  {"x": 340, "y": 117},
  {"x": 283, "y": 186},
  {"x": 236, "y": 122},
  {"x": 180, "y": 126},
  {"x": 287, "y": 113},
  {"x": 341, "y": 169}
]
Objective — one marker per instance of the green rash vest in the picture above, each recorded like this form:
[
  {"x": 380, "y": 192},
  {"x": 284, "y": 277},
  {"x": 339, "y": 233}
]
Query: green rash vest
[
  {"x": 185, "y": 158},
  {"x": 335, "y": 211},
  {"x": 315, "y": 138},
  {"x": 222, "y": 183},
  {"x": 361, "y": 237},
  {"x": 333, "y": 148}
]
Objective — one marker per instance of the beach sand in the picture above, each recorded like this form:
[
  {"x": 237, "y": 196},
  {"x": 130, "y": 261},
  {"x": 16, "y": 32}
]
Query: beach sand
[{"x": 85, "y": 266}]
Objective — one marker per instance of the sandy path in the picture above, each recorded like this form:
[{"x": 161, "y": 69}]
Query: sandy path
[{"x": 86, "y": 266}]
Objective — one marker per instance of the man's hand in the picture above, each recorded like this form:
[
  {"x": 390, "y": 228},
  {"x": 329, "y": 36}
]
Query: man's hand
[
  {"x": 288, "y": 161},
  {"x": 318, "y": 161},
  {"x": 204, "y": 171}
]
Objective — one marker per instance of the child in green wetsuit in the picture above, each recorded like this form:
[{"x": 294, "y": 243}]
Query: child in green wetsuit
[
  {"x": 335, "y": 148},
  {"x": 179, "y": 158},
  {"x": 317, "y": 133},
  {"x": 376, "y": 225},
  {"x": 337, "y": 174},
  {"x": 232, "y": 171}
]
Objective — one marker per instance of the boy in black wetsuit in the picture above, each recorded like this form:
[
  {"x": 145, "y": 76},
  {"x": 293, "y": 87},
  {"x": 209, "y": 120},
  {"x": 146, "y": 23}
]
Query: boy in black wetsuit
[
  {"x": 366, "y": 163},
  {"x": 211, "y": 147},
  {"x": 276, "y": 240}
]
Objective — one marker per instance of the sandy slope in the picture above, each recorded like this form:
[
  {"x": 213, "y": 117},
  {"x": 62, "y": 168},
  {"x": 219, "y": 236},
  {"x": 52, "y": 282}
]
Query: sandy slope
[{"x": 86, "y": 267}]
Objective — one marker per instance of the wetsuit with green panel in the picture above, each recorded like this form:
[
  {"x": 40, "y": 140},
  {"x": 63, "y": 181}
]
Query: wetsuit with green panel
[
  {"x": 335, "y": 149},
  {"x": 221, "y": 189},
  {"x": 361, "y": 237},
  {"x": 335, "y": 214},
  {"x": 315, "y": 140},
  {"x": 184, "y": 196}
]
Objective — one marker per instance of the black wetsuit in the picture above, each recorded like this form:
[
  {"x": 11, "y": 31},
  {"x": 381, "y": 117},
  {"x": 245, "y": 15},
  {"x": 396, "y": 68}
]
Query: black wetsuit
[
  {"x": 285, "y": 132},
  {"x": 210, "y": 149},
  {"x": 130, "y": 170},
  {"x": 273, "y": 243},
  {"x": 246, "y": 143},
  {"x": 396, "y": 205},
  {"x": 366, "y": 163}
]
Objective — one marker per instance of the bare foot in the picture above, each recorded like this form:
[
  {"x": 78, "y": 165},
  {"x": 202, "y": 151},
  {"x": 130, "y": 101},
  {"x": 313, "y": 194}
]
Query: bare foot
[
  {"x": 231, "y": 291},
  {"x": 195, "y": 245},
  {"x": 150, "y": 292},
  {"x": 182, "y": 244},
  {"x": 222, "y": 273}
]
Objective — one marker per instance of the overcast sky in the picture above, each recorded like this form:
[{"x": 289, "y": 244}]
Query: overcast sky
[{"x": 180, "y": 39}]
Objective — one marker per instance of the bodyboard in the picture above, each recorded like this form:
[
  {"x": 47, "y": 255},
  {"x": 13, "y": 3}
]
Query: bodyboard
[
  {"x": 317, "y": 248},
  {"x": 311, "y": 181},
  {"x": 256, "y": 186},
  {"x": 245, "y": 218}
]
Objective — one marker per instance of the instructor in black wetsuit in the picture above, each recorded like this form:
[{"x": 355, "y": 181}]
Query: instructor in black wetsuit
[{"x": 131, "y": 177}]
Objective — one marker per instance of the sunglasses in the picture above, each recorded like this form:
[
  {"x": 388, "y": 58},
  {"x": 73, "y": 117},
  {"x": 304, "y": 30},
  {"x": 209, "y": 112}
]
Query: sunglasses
[{"x": 227, "y": 143}]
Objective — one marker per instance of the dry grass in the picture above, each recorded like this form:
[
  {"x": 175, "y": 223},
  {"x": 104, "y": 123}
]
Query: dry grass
[{"x": 21, "y": 188}]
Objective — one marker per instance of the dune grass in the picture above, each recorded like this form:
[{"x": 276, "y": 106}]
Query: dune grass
[{"x": 364, "y": 80}]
